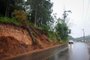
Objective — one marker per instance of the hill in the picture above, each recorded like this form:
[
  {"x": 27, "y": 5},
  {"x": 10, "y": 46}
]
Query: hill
[
  {"x": 71, "y": 38},
  {"x": 87, "y": 38}
]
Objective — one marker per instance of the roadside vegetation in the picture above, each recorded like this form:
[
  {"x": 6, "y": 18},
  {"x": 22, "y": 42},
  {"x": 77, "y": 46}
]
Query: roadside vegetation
[{"x": 36, "y": 13}]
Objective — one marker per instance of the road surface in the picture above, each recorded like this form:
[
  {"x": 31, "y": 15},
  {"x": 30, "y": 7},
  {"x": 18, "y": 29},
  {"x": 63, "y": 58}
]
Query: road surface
[
  {"x": 76, "y": 51},
  {"x": 42, "y": 54}
]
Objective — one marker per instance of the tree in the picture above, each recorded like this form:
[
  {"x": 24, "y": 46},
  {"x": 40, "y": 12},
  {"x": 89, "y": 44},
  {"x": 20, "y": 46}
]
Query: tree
[
  {"x": 40, "y": 11},
  {"x": 5, "y": 5},
  {"x": 62, "y": 30},
  {"x": 8, "y": 6}
]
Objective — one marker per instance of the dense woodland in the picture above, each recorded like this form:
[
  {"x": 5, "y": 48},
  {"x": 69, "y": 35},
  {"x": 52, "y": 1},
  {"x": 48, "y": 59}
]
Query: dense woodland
[{"x": 36, "y": 13}]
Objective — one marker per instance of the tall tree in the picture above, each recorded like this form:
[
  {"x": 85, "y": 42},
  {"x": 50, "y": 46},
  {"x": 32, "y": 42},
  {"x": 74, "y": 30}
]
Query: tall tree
[
  {"x": 62, "y": 30},
  {"x": 41, "y": 11},
  {"x": 8, "y": 6}
]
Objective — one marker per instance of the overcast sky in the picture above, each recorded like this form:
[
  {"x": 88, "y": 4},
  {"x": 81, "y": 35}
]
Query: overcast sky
[{"x": 80, "y": 16}]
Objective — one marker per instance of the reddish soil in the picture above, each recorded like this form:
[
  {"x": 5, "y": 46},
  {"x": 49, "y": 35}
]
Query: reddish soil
[{"x": 16, "y": 40}]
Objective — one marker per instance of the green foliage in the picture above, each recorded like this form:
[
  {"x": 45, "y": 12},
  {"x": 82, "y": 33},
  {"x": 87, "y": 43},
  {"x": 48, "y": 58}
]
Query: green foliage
[
  {"x": 41, "y": 11},
  {"x": 62, "y": 30},
  {"x": 45, "y": 28},
  {"x": 9, "y": 20},
  {"x": 20, "y": 15},
  {"x": 52, "y": 35}
]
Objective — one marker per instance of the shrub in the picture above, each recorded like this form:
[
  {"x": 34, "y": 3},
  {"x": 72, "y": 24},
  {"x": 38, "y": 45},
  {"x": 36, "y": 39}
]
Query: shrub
[{"x": 20, "y": 15}]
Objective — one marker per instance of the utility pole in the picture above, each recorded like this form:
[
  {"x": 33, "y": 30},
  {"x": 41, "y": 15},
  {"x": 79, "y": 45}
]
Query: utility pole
[{"x": 83, "y": 35}]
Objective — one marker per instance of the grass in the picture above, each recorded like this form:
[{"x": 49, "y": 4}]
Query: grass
[{"x": 9, "y": 20}]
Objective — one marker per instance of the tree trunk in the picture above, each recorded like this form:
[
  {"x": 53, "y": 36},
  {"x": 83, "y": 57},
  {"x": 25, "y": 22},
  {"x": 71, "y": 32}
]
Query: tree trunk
[
  {"x": 7, "y": 7},
  {"x": 35, "y": 16}
]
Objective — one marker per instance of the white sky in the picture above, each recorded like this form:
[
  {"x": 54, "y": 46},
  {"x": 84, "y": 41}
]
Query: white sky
[{"x": 79, "y": 18}]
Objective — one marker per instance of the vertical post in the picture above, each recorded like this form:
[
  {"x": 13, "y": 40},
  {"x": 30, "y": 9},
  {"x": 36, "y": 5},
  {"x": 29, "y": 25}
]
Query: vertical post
[{"x": 83, "y": 35}]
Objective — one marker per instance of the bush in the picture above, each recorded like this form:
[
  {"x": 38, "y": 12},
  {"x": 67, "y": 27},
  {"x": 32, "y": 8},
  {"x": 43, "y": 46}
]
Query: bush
[
  {"x": 45, "y": 28},
  {"x": 20, "y": 15},
  {"x": 52, "y": 35}
]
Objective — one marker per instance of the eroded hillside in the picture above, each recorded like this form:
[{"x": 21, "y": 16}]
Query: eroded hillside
[{"x": 16, "y": 40}]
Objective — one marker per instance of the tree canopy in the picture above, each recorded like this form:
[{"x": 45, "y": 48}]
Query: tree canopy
[{"x": 41, "y": 11}]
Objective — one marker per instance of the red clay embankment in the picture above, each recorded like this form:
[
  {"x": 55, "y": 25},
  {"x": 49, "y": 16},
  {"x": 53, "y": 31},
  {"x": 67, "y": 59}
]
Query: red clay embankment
[{"x": 16, "y": 40}]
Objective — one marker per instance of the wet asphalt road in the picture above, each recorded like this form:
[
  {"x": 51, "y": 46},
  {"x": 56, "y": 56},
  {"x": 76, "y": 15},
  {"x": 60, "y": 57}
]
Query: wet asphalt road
[
  {"x": 76, "y": 51},
  {"x": 42, "y": 54}
]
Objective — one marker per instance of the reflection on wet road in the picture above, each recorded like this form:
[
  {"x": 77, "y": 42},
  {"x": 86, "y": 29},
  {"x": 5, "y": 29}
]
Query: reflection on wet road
[{"x": 76, "y": 51}]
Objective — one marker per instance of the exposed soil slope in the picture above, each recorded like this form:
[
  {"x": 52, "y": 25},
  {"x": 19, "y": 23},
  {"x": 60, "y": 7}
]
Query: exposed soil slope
[{"x": 16, "y": 40}]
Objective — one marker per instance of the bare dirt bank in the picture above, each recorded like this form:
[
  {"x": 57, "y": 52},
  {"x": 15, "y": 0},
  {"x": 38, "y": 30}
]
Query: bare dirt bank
[{"x": 16, "y": 40}]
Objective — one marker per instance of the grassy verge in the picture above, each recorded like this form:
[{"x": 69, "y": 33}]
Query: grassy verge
[{"x": 9, "y": 20}]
